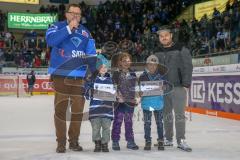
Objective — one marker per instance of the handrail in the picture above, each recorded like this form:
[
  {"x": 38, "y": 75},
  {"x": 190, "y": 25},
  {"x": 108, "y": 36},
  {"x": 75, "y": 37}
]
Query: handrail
[{"x": 218, "y": 53}]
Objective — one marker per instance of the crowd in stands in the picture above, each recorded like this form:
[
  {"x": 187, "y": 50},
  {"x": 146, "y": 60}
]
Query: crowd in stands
[
  {"x": 136, "y": 22},
  {"x": 31, "y": 52},
  {"x": 219, "y": 33}
]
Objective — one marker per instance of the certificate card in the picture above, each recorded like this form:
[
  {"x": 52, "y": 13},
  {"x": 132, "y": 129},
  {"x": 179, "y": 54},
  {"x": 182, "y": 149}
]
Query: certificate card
[
  {"x": 105, "y": 92},
  {"x": 151, "y": 88}
]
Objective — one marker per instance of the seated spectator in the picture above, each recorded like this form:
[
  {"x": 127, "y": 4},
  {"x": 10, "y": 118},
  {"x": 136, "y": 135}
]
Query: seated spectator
[
  {"x": 220, "y": 40},
  {"x": 204, "y": 47},
  {"x": 37, "y": 62},
  {"x": 9, "y": 55},
  {"x": 43, "y": 57},
  {"x": 216, "y": 13},
  {"x": 238, "y": 41},
  {"x": 41, "y": 43},
  {"x": 212, "y": 45},
  {"x": 2, "y": 43}
]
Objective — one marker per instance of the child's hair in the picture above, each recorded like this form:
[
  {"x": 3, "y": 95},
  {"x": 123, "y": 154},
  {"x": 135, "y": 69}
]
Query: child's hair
[{"x": 122, "y": 56}]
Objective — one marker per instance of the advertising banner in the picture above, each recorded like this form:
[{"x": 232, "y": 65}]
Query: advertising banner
[
  {"x": 217, "y": 69},
  {"x": 21, "y": 1},
  {"x": 23, "y": 71},
  {"x": 30, "y": 21},
  {"x": 207, "y": 7},
  {"x": 9, "y": 84},
  {"x": 220, "y": 92}
]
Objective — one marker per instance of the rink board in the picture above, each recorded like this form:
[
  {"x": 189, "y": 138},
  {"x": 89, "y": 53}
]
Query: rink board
[{"x": 216, "y": 94}]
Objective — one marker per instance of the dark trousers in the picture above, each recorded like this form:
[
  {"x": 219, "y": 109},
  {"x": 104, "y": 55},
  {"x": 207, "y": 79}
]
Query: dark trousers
[
  {"x": 68, "y": 93},
  {"x": 147, "y": 117},
  {"x": 175, "y": 101}
]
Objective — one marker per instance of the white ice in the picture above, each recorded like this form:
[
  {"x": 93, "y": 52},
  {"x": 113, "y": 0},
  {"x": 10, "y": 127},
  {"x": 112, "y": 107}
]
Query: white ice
[{"x": 27, "y": 133}]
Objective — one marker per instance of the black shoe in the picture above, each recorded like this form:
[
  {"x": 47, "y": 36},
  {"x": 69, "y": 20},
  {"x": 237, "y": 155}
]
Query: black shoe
[
  {"x": 75, "y": 146},
  {"x": 160, "y": 145},
  {"x": 105, "y": 147},
  {"x": 147, "y": 146},
  {"x": 97, "y": 146},
  {"x": 61, "y": 148}
]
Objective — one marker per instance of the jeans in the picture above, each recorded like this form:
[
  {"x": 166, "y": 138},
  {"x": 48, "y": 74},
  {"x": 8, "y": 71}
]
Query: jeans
[{"x": 147, "y": 117}]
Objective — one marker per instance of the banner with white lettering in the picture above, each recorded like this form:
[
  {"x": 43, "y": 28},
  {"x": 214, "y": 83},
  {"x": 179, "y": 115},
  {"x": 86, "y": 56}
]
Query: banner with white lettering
[
  {"x": 219, "y": 92},
  {"x": 9, "y": 84},
  {"x": 30, "y": 20}
]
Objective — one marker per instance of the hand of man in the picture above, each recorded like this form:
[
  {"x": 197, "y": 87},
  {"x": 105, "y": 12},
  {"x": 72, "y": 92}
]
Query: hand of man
[{"x": 73, "y": 24}]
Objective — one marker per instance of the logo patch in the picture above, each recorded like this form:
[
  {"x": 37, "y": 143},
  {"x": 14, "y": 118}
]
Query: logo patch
[
  {"x": 85, "y": 34},
  {"x": 198, "y": 91},
  {"x": 76, "y": 41}
]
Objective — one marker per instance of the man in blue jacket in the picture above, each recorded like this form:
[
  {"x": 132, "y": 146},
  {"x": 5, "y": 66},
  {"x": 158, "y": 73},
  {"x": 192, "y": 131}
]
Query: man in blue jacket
[{"x": 73, "y": 54}]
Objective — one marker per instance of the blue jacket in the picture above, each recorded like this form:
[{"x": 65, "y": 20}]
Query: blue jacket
[
  {"x": 151, "y": 103},
  {"x": 99, "y": 108},
  {"x": 68, "y": 49}
]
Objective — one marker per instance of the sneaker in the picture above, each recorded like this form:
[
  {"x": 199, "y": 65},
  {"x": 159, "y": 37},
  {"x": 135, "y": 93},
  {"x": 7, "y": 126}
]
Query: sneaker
[
  {"x": 132, "y": 145},
  {"x": 61, "y": 148},
  {"x": 147, "y": 146},
  {"x": 183, "y": 146},
  {"x": 115, "y": 146},
  {"x": 160, "y": 145},
  {"x": 75, "y": 146},
  {"x": 105, "y": 147},
  {"x": 168, "y": 143},
  {"x": 97, "y": 146}
]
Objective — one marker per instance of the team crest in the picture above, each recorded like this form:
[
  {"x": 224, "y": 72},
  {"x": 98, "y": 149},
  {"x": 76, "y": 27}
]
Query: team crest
[
  {"x": 85, "y": 34},
  {"x": 76, "y": 41}
]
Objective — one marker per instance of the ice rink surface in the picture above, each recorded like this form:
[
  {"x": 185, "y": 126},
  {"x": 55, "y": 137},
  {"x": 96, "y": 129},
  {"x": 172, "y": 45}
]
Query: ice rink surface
[{"x": 27, "y": 133}]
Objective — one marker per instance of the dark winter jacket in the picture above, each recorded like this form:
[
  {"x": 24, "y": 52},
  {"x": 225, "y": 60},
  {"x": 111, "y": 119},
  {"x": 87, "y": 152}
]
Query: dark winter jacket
[
  {"x": 178, "y": 60},
  {"x": 31, "y": 79}
]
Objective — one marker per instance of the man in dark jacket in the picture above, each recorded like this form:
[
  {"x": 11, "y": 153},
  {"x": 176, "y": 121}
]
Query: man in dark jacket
[
  {"x": 177, "y": 59},
  {"x": 31, "y": 81}
]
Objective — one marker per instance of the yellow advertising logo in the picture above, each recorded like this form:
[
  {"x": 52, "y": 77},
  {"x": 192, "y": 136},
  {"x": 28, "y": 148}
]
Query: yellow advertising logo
[
  {"x": 207, "y": 8},
  {"x": 21, "y": 1}
]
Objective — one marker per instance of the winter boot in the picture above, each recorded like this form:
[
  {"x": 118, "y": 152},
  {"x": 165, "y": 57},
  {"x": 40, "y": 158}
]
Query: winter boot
[
  {"x": 61, "y": 148},
  {"x": 75, "y": 146},
  {"x": 160, "y": 145},
  {"x": 105, "y": 147},
  {"x": 97, "y": 146},
  {"x": 115, "y": 146},
  {"x": 147, "y": 146}
]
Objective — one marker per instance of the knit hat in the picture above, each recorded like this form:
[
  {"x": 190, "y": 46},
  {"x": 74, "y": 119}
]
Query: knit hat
[
  {"x": 101, "y": 60},
  {"x": 152, "y": 59}
]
